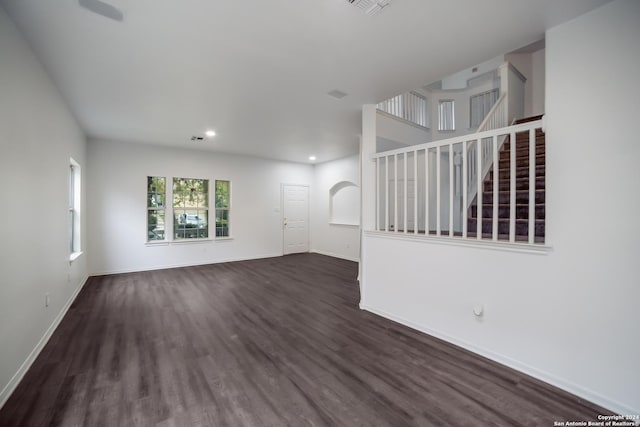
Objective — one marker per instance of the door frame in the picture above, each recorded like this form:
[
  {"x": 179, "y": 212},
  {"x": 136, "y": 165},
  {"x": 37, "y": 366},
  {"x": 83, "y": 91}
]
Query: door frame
[{"x": 285, "y": 184}]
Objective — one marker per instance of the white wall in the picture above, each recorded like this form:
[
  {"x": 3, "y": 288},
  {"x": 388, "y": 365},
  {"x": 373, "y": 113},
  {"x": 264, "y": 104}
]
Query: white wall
[
  {"x": 392, "y": 129},
  {"x": 522, "y": 62},
  {"x": 537, "y": 81},
  {"x": 531, "y": 65},
  {"x": 117, "y": 197},
  {"x": 339, "y": 240},
  {"x": 516, "y": 94},
  {"x": 462, "y": 106},
  {"x": 38, "y": 135},
  {"x": 460, "y": 79},
  {"x": 569, "y": 317}
]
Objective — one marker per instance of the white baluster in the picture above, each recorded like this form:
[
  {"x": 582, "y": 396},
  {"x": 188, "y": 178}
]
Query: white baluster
[
  {"x": 395, "y": 193},
  {"x": 415, "y": 192},
  {"x": 386, "y": 192},
  {"x": 406, "y": 195},
  {"x": 378, "y": 194},
  {"x": 532, "y": 185},
  {"x": 464, "y": 190},
  {"x": 451, "y": 192},
  {"x": 426, "y": 191},
  {"x": 512, "y": 188},
  {"x": 496, "y": 179},
  {"x": 438, "y": 191},
  {"x": 479, "y": 190}
]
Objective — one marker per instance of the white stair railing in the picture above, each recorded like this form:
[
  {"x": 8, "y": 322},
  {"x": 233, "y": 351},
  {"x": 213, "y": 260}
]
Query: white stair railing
[
  {"x": 409, "y": 106},
  {"x": 415, "y": 188},
  {"x": 496, "y": 118}
]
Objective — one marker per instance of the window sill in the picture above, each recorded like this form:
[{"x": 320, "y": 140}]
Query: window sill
[
  {"x": 183, "y": 241},
  {"x": 74, "y": 256},
  {"x": 187, "y": 241},
  {"x": 157, "y": 243}
]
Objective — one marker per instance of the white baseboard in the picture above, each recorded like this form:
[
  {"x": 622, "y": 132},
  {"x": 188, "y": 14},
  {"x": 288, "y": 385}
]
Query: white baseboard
[
  {"x": 17, "y": 377},
  {"x": 187, "y": 264},
  {"x": 590, "y": 395},
  {"x": 331, "y": 254}
]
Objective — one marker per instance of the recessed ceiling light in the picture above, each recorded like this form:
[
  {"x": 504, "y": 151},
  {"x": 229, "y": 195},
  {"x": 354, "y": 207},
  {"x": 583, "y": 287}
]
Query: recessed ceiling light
[
  {"x": 312, "y": 158},
  {"x": 210, "y": 133}
]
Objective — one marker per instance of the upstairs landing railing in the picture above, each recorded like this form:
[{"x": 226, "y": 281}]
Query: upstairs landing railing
[{"x": 409, "y": 106}]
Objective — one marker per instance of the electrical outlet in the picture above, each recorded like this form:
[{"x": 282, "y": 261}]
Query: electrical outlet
[{"x": 46, "y": 299}]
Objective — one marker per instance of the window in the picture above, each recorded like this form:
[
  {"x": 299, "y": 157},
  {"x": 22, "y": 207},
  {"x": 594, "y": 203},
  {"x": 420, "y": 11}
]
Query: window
[
  {"x": 446, "y": 115},
  {"x": 190, "y": 208},
  {"x": 74, "y": 210},
  {"x": 156, "y": 196},
  {"x": 480, "y": 105},
  {"x": 223, "y": 205}
]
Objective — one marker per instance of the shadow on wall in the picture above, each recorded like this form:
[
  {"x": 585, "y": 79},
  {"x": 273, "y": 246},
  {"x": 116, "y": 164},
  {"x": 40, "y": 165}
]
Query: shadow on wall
[{"x": 344, "y": 203}]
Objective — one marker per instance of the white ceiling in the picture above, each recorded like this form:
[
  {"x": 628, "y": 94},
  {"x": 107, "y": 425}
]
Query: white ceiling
[{"x": 258, "y": 71}]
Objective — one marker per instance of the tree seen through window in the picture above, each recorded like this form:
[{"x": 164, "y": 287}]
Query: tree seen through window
[{"x": 190, "y": 208}]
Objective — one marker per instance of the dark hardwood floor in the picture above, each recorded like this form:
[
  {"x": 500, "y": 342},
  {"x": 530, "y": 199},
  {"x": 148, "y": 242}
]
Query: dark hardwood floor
[{"x": 270, "y": 342}]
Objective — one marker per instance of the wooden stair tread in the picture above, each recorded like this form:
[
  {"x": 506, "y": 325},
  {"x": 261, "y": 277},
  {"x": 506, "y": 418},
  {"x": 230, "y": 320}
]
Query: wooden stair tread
[{"x": 500, "y": 176}]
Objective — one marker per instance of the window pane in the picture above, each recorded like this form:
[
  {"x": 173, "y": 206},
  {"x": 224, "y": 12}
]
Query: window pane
[
  {"x": 155, "y": 184},
  {"x": 480, "y": 106},
  {"x": 75, "y": 227},
  {"x": 190, "y": 223},
  {"x": 446, "y": 116},
  {"x": 222, "y": 222},
  {"x": 71, "y": 226},
  {"x": 156, "y": 199},
  {"x": 190, "y": 192},
  {"x": 222, "y": 194},
  {"x": 155, "y": 225},
  {"x": 202, "y": 200}
]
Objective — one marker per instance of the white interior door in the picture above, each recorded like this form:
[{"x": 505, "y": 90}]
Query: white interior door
[{"x": 295, "y": 218}]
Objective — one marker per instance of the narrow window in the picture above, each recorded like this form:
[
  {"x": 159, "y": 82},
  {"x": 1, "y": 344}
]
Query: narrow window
[
  {"x": 190, "y": 208},
  {"x": 74, "y": 209},
  {"x": 223, "y": 206},
  {"x": 156, "y": 196},
  {"x": 446, "y": 115}
]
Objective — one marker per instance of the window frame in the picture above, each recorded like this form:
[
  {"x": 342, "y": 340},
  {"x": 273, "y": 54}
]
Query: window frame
[
  {"x": 74, "y": 209},
  {"x": 162, "y": 208},
  {"x": 226, "y": 209},
  {"x": 483, "y": 96},
  {"x": 175, "y": 210},
  {"x": 442, "y": 121}
]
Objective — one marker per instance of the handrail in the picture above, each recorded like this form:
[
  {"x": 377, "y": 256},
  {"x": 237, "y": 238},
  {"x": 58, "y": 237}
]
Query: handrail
[
  {"x": 462, "y": 138},
  {"x": 490, "y": 115},
  {"x": 424, "y": 189}
]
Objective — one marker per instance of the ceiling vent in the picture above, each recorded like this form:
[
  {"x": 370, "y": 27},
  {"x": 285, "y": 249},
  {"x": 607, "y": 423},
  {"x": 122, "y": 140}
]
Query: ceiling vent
[
  {"x": 197, "y": 138},
  {"x": 338, "y": 94},
  {"x": 370, "y": 7},
  {"x": 102, "y": 8}
]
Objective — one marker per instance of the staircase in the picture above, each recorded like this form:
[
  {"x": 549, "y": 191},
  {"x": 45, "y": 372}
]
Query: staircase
[{"x": 504, "y": 193}]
